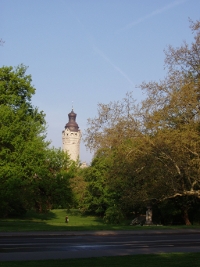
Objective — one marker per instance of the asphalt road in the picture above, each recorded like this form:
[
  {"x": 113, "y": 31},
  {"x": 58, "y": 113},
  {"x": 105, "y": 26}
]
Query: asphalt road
[{"x": 58, "y": 246}]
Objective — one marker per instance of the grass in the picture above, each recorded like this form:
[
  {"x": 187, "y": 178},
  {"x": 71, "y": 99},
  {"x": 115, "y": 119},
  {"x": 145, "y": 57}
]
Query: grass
[
  {"x": 54, "y": 220},
  {"x": 158, "y": 260}
]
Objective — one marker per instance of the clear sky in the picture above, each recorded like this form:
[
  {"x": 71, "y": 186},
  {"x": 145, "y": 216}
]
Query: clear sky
[{"x": 90, "y": 51}]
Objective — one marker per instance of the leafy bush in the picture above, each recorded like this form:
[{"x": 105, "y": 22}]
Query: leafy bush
[{"x": 113, "y": 215}]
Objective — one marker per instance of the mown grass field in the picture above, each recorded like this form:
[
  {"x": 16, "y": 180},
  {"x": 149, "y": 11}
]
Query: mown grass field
[
  {"x": 160, "y": 260},
  {"x": 54, "y": 220}
]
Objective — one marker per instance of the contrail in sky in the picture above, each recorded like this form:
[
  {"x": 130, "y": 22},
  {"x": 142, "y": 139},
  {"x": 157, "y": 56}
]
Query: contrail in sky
[
  {"x": 112, "y": 64},
  {"x": 96, "y": 49},
  {"x": 154, "y": 13}
]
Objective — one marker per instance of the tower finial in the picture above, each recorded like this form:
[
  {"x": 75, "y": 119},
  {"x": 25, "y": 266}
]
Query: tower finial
[{"x": 72, "y": 106}]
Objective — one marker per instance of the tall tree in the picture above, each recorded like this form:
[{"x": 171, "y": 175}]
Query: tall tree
[
  {"x": 29, "y": 171},
  {"x": 156, "y": 145}
]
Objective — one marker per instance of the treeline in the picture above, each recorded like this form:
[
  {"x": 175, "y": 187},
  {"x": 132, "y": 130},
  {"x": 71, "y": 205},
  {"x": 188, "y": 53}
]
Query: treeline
[{"x": 148, "y": 153}]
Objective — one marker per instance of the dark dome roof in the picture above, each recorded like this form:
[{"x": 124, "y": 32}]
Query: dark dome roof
[{"x": 72, "y": 125}]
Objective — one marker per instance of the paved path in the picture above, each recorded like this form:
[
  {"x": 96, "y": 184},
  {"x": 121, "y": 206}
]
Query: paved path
[
  {"x": 40, "y": 245},
  {"x": 100, "y": 232}
]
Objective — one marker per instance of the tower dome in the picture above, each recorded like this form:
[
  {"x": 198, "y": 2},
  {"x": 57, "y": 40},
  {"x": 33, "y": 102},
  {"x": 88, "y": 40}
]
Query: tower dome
[{"x": 72, "y": 125}]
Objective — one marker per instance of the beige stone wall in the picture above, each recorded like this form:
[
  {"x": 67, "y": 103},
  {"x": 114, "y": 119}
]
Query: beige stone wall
[{"x": 71, "y": 143}]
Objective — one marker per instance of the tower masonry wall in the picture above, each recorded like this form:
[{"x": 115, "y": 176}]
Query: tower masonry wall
[{"x": 71, "y": 143}]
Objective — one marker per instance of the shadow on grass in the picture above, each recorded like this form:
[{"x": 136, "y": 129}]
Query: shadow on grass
[
  {"x": 24, "y": 226},
  {"x": 31, "y": 215},
  {"x": 31, "y": 226},
  {"x": 78, "y": 213},
  {"x": 52, "y": 221},
  {"x": 55, "y": 221}
]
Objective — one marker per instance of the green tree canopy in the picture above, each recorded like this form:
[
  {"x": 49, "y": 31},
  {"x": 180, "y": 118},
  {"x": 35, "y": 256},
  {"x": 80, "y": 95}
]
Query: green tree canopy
[{"x": 28, "y": 168}]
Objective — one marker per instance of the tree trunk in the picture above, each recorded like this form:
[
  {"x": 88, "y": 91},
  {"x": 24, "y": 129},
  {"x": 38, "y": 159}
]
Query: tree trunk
[{"x": 186, "y": 217}]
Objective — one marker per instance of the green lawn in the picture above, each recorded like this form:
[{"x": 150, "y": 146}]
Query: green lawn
[
  {"x": 159, "y": 260},
  {"x": 55, "y": 221}
]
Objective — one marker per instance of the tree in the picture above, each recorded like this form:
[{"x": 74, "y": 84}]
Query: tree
[
  {"x": 172, "y": 117},
  {"x": 171, "y": 120},
  {"x": 115, "y": 122},
  {"x": 31, "y": 174},
  {"x": 51, "y": 186},
  {"x": 78, "y": 185},
  {"x": 22, "y": 134},
  {"x": 96, "y": 197},
  {"x": 155, "y": 145}
]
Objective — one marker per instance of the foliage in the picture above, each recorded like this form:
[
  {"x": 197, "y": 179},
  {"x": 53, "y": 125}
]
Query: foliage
[
  {"x": 31, "y": 174},
  {"x": 96, "y": 197},
  {"x": 78, "y": 186},
  {"x": 155, "y": 145},
  {"x": 113, "y": 215},
  {"x": 51, "y": 184}
]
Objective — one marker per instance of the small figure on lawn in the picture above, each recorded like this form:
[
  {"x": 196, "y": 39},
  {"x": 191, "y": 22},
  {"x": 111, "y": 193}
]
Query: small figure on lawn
[{"x": 66, "y": 219}]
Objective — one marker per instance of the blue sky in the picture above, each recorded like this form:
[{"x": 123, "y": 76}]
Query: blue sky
[{"x": 90, "y": 51}]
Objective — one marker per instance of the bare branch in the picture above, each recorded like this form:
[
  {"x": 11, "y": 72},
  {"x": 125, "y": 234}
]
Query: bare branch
[{"x": 1, "y": 42}]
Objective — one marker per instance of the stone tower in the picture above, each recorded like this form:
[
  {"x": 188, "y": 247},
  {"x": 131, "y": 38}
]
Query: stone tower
[{"x": 71, "y": 137}]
